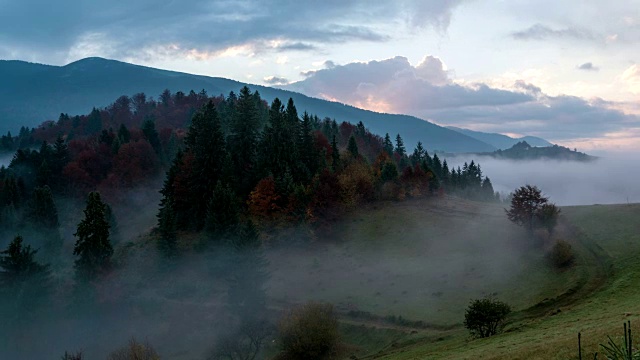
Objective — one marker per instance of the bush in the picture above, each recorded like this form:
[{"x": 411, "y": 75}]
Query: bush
[
  {"x": 244, "y": 343},
  {"x": 309, "y": 332},
  {"x": 134, "y": 351},
  {"x": 561, "y": 254},
  {"x": 485, "y": 317},
  {"x": 72, "y": 356}
]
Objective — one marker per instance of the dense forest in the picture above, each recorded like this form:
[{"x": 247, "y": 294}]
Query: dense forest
[{"x": 240, "y": 173}]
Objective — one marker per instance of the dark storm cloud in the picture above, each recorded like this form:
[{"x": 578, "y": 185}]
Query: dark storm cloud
[
  {"x": 126, "y": 28},
  {"x": 425, "y": 90},
  {"x": 542, "y": 32},
  {"x": 588, "y": 67}
]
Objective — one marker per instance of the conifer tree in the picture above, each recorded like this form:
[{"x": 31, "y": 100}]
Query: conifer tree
[
  {"x": 205, "y": 141},
  {"x": 151, "y": 134},
  {"x": 387, "y": 144},
  {"x": 400, "y": 150},
  {"x": 418, "y": 154},
  {"x": 223, "y": 212},
  {"x": 123, "y": 134},
  {"x": 487, "y": 190},
  {"x": 335, "y": 155},
  {"x": 352, "y": 147},
  {"x": 42, "y": 210},
  {"x": 307, "y": 152},
  {"x": 167, "y": 243},
  {"x": 24, "y": 283},
  {"x": 93, "y": 247},
  {"x": 243, "y": 139}
]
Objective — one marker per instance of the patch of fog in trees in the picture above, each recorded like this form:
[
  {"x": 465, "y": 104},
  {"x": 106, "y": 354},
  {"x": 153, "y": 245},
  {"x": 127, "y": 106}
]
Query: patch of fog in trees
[
  {"x": 608, "y": 180},
  {"x": 5, "y": 160}
]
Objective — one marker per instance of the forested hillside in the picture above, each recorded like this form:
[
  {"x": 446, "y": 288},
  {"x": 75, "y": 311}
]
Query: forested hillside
[{"x": 36, "y": 93}]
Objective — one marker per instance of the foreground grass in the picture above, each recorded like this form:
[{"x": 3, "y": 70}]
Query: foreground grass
[{"x": 608, "y": 247}]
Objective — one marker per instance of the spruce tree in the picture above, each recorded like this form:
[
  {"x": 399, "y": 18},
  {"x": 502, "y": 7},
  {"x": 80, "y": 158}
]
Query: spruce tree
[
  {"x": 307, "y": 151},
  {"x": 335, "y": 155},
  {"x": 400, "y": 150},
  {"x": 42, "y": 211},
  {"x": 92, "y": 247},
  {"x": 243, "y": 141},
  {"x": 168, "y": 241},
  {"x": 352, "y": 147},
  {"x": 205, "y": 141},
  {"x": 24, "y": 283},
  {"x": 151, "y": 134},
  {"x": 223, "y": 212},
  {"x": 388, "y": 145},
  {"x": 123, "y": 134}
]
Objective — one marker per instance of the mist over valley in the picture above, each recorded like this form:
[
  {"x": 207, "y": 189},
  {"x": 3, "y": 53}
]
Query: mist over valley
[{"x": 346, "y": 180}]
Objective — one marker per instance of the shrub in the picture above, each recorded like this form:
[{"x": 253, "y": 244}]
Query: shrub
[
  {"x": 485, "y": 317},
  {"x": 72, "y": 356},
  {"x": 134, "y": 351},
  {"x": 309, "y": 332},
  {"x": 245, "y": 343},
  {"x": 561, "y": 254}
]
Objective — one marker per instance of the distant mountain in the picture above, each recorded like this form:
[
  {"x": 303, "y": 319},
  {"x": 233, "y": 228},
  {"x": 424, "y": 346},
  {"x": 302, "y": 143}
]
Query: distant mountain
[
  {"x": 523, "y": 151},
  {"x": 32, "y": 93},
  {"x": 500, "y": 141}
]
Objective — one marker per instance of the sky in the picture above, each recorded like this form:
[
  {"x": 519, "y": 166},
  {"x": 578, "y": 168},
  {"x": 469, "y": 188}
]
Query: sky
[{"x": 568, "y": 71}]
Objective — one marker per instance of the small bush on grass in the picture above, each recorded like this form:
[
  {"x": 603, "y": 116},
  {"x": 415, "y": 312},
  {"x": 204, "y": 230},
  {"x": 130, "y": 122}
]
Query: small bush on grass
[
  {"x": 485, "y": 317},
  {"x": 561, "y": 254},
  {"x": 309, "y": 332}
]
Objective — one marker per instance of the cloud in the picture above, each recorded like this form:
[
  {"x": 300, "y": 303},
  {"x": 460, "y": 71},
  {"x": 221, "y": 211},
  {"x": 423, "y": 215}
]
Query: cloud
[
  {"x": 631, "y": 76},
  {"x": 275, "y": 80},
  {"x": 588, "y": 67},
  {"x": 542, "y": 32},
  {"x": 426, "y": 91},
  {"x": 130, "y": 29}
]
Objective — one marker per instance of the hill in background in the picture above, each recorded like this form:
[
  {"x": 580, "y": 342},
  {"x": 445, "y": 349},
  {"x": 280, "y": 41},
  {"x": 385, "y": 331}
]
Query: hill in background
[{"x": 32, "y": 93}]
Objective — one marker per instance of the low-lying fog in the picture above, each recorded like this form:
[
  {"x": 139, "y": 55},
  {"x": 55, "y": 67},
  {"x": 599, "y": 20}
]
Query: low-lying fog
[
  {"x": 608, "y": 180},
  {"x": 5, "y": 160}
]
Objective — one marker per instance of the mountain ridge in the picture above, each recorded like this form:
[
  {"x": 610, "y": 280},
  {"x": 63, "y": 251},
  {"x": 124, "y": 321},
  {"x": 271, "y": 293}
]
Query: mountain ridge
[{"x": 38, "y": 92}]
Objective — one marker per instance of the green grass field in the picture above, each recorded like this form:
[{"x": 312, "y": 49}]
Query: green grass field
[
  {"x": 602, "y": 292},
  {"x": 425, "y": 259}
]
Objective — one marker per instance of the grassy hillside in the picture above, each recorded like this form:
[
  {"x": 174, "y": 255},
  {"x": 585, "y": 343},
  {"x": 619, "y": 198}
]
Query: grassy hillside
[
  {"x": 33, "y": 93},
  {"x": 608, "y": 243}
]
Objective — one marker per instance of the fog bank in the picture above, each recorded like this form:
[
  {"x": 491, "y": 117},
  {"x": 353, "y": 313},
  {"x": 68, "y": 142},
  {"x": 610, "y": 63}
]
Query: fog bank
[{"x": 609, "y": 180}]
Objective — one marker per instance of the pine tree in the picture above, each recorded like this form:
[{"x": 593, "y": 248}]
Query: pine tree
[
  {"x": 488, "y": 194},
  {"x": 243, "y": 141},
  {"x": 335, "y": 155},
  {"x": 94, "y": 122},
  {"x": 93, "y": 247},
  {"x": 307, "y": 152},
  {"x": 388, "y": 145},
  {"x": 167, "y": 243},
  {"x": 123, "y": 134},
  {"x": 42, "y": 210},
  {"x": 24, "y": 283},
  {"x": 223, "y": 212},
  {"x": 205, "y": 141},
  {"x": 400, "y": 150},
  {"x": 352, "y": 147},
  {"x": 151, "y": 134},
  {"x": 418, "y": 154}
]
